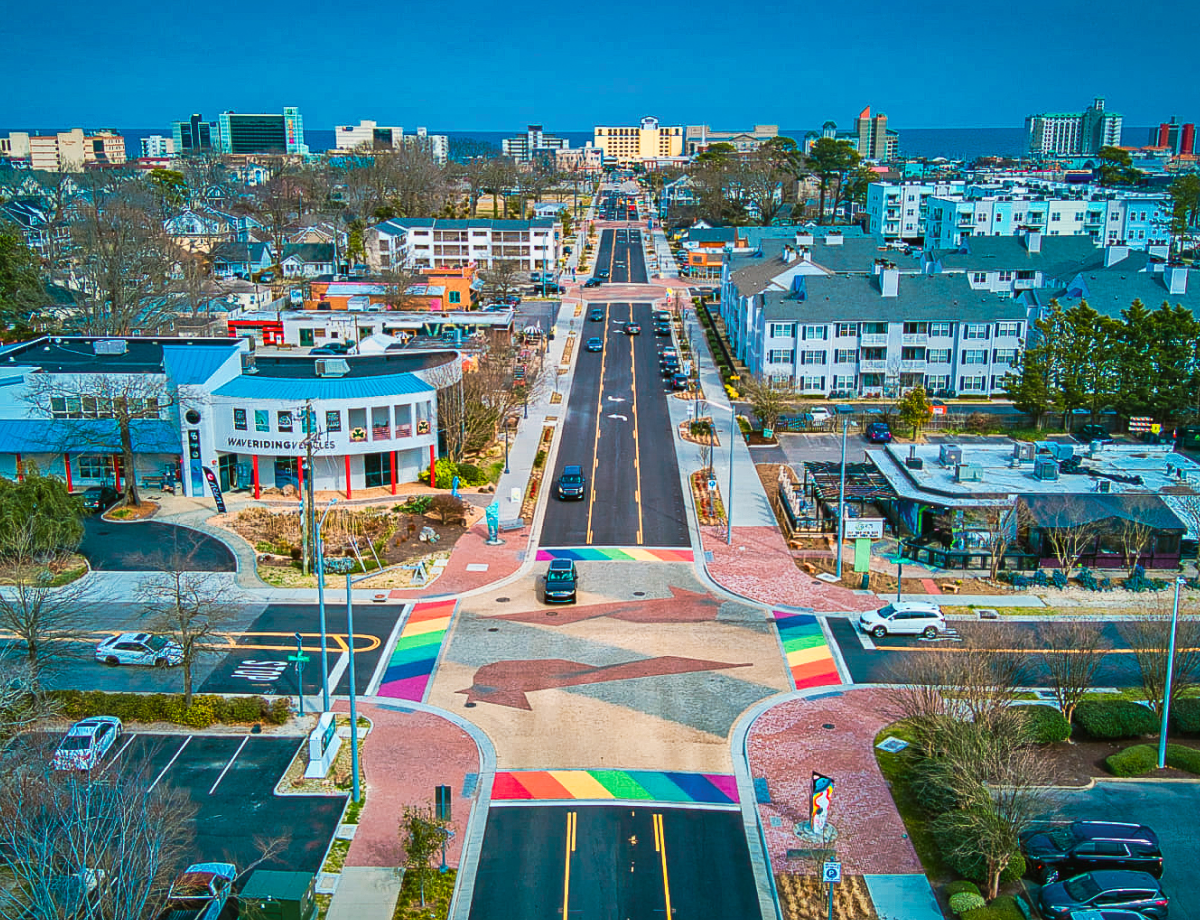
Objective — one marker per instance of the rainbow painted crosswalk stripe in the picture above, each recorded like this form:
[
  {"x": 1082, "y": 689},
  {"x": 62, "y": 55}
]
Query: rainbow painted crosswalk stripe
[
  {"x": 413, "y": 659},
  {"x": 616, "y": 554},
  {"x": 808, "y": 655},
  {"x": 606, "y": 785}
]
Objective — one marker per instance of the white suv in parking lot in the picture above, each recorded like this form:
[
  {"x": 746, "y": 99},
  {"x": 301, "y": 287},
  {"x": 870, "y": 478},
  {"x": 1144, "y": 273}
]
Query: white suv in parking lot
[{"x": 904, "y": 618}]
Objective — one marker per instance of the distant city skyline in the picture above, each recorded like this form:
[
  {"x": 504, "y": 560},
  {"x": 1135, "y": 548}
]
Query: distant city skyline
[{"x": 575, "y": 66}]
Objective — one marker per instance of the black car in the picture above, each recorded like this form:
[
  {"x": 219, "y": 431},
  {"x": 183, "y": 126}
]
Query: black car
[
  {"x": 100, "y": 498},
  {"x": 679, "y": 382},
  {"x": 1138, "y": 891},
  {"x": 633, "y": 328},
  {"x": 879, "y": 433},
  {"x": 561, "y": 582},
  {"x": 670, "y": 369},
  {"x": 1088, "y": 433},
  {"x": 1086, "y": 846},
  {"x": 572, "y": 484},
  {"x": 592, "y": 282},
  {"x": 596, "y": 315}
]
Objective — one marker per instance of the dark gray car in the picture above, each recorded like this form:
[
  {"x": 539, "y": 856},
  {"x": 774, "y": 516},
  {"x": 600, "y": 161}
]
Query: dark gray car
[{"x": 1138, "y": 891}]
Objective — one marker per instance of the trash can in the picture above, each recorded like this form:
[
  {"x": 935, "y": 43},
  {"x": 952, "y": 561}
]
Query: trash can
[{"x": 271, "y": 895}]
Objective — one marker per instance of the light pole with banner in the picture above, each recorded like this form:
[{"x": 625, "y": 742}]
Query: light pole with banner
[
  {"x": 1166, "y": 706},
  {"x": 321, "y": 606},
  {"x": 841, "y": 534}
]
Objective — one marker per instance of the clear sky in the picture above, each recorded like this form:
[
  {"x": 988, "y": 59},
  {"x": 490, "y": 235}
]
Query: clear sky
[{"x": 493, "y": 66}]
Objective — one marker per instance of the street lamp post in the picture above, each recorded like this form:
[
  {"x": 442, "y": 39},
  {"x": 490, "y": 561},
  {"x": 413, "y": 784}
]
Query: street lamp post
[
  {"x": 841, "y": 528},
  {"x": 729, "y": 500},
  {"x": 353, "y": 690},
  {"x": 321, "y": 607},
  {"x": 506, "y": 446},
  {"x": 1166, "y": 705}
]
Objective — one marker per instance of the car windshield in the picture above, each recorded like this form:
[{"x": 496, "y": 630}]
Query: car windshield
[
  {"x": 156, "y": 643},
  {"x": 571, "y": 479},
  {"x": 1061, "y": 837},
  {"x": 76, "y": 743},
  {"x": 559, "y": 575},
  {"x": 887, "y": 611},
  {"x": 1081, "y": 888}
]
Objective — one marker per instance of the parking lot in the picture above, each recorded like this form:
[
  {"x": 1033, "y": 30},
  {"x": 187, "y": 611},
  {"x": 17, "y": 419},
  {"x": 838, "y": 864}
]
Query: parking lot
[{"x": 230, "y": 780}]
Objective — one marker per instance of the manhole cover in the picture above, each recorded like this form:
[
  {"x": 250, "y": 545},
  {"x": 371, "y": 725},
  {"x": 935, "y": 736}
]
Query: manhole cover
[
  {"x": 639, "y": 593},
  {"x": 828, "y": 726},
  {"x": 503, "y": 600},
  {"x": 469, "y": 705},
  {"x": 493, "y": 629}
]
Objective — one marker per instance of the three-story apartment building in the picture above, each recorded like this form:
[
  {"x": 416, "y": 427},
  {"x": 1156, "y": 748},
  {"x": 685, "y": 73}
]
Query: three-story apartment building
[{"x": 428, "y": 243}]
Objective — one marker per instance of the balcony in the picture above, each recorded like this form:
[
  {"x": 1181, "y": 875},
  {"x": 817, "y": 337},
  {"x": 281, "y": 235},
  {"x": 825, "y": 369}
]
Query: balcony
[
  {"x": 872, "y": 367},
  {"x": 873, "y": 339},
  {"x": 918, "y": 338},
  {"x": 911, "y": 366}
]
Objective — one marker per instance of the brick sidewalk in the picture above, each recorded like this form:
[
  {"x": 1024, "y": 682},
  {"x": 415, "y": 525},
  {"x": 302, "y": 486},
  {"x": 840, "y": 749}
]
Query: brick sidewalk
[
  {"x": 759, "y": 566},
  {"x": 472, "y": 549},
  {"x": 787, "y": 743},
  {"x": 405, "y": 756}
]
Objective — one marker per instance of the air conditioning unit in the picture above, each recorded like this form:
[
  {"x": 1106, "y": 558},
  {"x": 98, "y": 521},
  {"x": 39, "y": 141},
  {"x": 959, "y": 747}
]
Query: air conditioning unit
[
  {"x": 249, "y": 363},
  {"x": 1104, "y": 485},
  {"x": 332, "y": 367},
  {"x": 1045, "y": 469},
  {"x": 110, "y": 346},
  {"x": 1024, "y": 450},
  {"x": 968, "y": 472},
  {"x": 950, "y": 455},
  {"x": 914, "y": 463}
]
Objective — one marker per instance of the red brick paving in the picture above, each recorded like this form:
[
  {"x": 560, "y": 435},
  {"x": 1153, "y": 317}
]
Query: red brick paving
[
  {"x": 471, "y": 548},
  {"x": 789, "y": 742},
  {"x": 404, "y": 757},
  {"x": 759, "y": 566}
]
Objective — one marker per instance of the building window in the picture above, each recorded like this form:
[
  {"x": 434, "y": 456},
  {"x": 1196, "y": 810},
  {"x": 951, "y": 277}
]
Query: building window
[
  {"x": 333, "y": 420},
  {"x": 975, "y": 331},
  {"x": 455, "y": 297},
  {"x": 283, "y": 420},
  {"x": 782, "y": 330},
  {"x": 916, "y": 328},
  {"x": 938, "y": 356},
  {"x": 1008, "y": 330},
  {"x": 381, "y": 423},
  {"x": 845, "y": 330},
  {"x": 262, "y": 420},
  {"x": 358, "y": 424},
  {"x": 1006, "y": 275},
  {"x": 813, "y": 333},
  {"x": 404, "y": 421},
  {"x": 1004, "y": 355},
  {"x": 812, "y": 357},
  {"x": 979, "y": 277},
  {"x": 941, "y": 329},
  {"x": 781, "y": 356},
  {"x": 239, "y": 419},
  {"x": 972, "y": 384},
  {"x": 937, "y": 381},
  {"x": 1055, "y": 216},
  {"x": 912, "y": 353},
  {"x": 89, "y": 466},
  {"x": 843, "y": 382},
  {"x": 809, "y": 384},
  {"x": 974, "y": 356},
  {"x": 845, "y": 356}
]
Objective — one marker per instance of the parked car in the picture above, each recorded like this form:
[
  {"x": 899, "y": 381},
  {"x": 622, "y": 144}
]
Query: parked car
[
  {"x": 1085, "y": 846},
  {"x": 596, "y": 315},
  {"x": 86, "y": 742},
  {"x": 679, "y": 382},
  {"x": 592, "y": 283},
  {"x": 662, "y": 328},
  {"x": 69, "y": 896},
  {"x": 511, "y": 299},
  {"x": 1089, "y": 433},
  {"x": 879, "y": 433},
  {"x": 632, "y": 328},
  {"x": 595, "y": 343},
  {"x": 819, "y": 415},
  {"x": 139, "y": 649},
  {"x": 203, "y": 888},
  {"x": 327, "y": 351},
  {"x": 1118, "y": 913},
  {"x": 100, "y": 498},
  {"x": 670, "y": 369},
  {"x": 561, "y": 581},
  {"x": 903, "y": 618},
  {"x": 1139, "y": 891},
  {"x": 572, "y": 484},
  {"x": 334, "y": 348}
]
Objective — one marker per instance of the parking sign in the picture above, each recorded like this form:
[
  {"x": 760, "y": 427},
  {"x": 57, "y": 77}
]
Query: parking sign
[{"x": 831, "y": 872}]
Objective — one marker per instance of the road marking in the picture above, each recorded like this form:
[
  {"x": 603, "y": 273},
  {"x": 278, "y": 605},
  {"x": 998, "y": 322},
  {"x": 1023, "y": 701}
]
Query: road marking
[
  {"x": 338, "y": 669},
  {"x": 572, "y": 822},
  {"x": 228, "y": 765},
  {"x": 660, "y": 846},
  {"x": 128, "y": 741},
  {"x": 637, "y": 464},
  {"x": 256, "y": 671},
  {"x": 169, "y": 762},
  {"x": 596, "y": 440}
]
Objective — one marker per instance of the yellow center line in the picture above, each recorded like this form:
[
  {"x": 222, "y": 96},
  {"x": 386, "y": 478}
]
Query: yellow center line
[
  {"x": 660, "y": 843},
  {"x": 572, "y": 820},
  {"x": 637, "y": 457},
  {"x": 599, "y": 411}
]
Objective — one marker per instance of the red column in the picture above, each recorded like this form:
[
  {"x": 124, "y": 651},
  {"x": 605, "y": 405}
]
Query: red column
[
  {"x": 432, "y": 467},
  {"x": 20, "y": 469},
  {"x": 117, "y": 471},
  {"x": 67, "y": 467},
  {"x": 393, "y": 463},
  {"x": 300, "y": 474},
  {"x": 254, "y": 462},
  {"x": 347, "y": 477}
]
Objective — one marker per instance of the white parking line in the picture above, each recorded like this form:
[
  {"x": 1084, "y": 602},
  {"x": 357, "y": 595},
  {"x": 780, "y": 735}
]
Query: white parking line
[
  {"x": 228, "y": 765},
  {"x": 128, "y": 741},
  {"x": 867, "y": 642},
  {"x": 169, "y": 762}
]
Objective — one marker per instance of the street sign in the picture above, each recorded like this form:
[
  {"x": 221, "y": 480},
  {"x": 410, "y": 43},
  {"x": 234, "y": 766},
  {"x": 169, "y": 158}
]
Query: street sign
[
  {"x": 299, "y": 658},
  {"x": 712, "y": 485},
  {"x": 831, "y": 872},
  {"x": 768, "y": 432}
]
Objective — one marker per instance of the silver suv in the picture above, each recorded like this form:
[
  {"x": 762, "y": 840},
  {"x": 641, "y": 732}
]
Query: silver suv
[{"x": 904, "y": 618}]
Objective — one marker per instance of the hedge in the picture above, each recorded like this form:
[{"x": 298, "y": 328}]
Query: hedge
[
  {"x": 974, "y": 867},
  {"x": 168, "y": 707},
  {"x": 1185, "y": 715},
  {"x": 1183, "y": 758},
  {"x": 1142, "y": 758},
  {"x": 1001, "y": 908},
  {"x": 965, "y": 901},
  {"x": 1115, "y": 719},
  {"x": 953, "y": 888},
  {"x": 468, "y": 474},
  {"x": 1046, "y": 724}
]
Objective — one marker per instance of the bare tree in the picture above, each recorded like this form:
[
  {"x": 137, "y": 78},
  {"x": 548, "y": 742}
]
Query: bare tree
[
  {"x": 423, "y": 835},
  {"x": 1072, "y": 536},
  {"x": 502, "y": 277},
  {"x": 1070, "y": 652},
  {"x": 1149, "y": 639},
  {"x": 1002, "y": 526},
  {"x": 21, "y": 705},
  {"x": 191, "y": 608},
  {"x": 398, "y": 282},
  {"x": 1135, "y": 532},
  {"x": 472, "y": 408}
]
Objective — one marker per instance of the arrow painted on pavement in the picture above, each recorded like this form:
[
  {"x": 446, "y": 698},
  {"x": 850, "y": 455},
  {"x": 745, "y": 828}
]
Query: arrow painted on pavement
[
  {"x": 623, "y": 418},
  {"x": 616, "y": 398}
]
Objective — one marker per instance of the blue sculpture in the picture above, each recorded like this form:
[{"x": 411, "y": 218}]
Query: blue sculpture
[{"x": 492, "y": 514}]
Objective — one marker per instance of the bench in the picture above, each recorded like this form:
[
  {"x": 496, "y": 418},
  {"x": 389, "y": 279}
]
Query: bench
[{"x": 511, "y": 524}]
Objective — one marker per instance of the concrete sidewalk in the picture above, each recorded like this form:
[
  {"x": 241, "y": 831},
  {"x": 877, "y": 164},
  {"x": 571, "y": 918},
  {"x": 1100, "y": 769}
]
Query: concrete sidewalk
[{"x": 365, "y": 893}]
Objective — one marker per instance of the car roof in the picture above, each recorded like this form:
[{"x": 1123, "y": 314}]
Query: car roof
[
  {"x": 1123, "y": 878},
  {"x": 572, "y": 470},
  {"x": 561, "y": 564},
  {"x": 1114, "y": 830}
]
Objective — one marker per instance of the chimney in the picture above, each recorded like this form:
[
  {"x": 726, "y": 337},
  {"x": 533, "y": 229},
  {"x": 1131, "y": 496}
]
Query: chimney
[
  {"x": 789, "y": 255},
  {"x": 1033, "y": 240},
  {"x": 1114, "y": 253},
  {"x": 834, "y": 239},
  {"x": 803, "y": 239},
  {"x": 889, "y": 280},
  {"x": 1175, "y": 277}
]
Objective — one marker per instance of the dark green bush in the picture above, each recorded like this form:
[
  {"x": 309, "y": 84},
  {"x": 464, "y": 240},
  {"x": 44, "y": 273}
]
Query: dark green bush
[
  {"x": 1183, "y": 758},
  {"x": 1133, "y": 761},
  {"x": 1115, "y": 719},
  {"x": 1185, "y": 715},
  {"x": 1046, "y": 724},
  {"x": 1001, "y": 908},
  {"x": 471, "y": 475},
  {"x": 953, "y": 888},
  {"x": 168, "y": 707}
]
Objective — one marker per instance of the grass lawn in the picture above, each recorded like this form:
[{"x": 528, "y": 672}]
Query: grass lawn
[{"x": 896, "y": 769}]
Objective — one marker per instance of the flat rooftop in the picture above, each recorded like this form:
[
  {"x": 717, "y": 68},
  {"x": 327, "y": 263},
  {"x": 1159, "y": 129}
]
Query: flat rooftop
[{"x": 103, "y": 354}]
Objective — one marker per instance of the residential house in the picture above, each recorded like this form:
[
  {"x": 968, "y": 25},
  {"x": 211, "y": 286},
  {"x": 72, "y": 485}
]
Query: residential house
[
  {"x": 240, "y": 259},
  {"x": 307, "y": 260}
]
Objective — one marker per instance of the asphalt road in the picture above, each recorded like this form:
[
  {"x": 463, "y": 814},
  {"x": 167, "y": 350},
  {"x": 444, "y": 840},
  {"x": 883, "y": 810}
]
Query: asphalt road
[
  {"x": 621, "y": 253},
  {"x": 599, "y": 861},
  {"x": 618, "y": 429},
  {"x": 151, "y": 546}
]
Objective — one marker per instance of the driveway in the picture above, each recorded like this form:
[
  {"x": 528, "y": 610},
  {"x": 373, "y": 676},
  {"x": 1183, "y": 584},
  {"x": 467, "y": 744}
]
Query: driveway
[
  {"x": 151, "y": 546},
  {"x": 1161, "y": 806}
]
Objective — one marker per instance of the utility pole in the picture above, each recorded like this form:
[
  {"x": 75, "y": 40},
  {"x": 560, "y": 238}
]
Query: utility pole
[{"x": 308, "y": 526}]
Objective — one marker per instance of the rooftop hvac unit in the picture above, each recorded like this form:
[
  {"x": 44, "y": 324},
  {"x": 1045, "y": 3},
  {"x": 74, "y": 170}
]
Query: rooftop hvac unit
[
  {"x": 950, "y": 455},
  {"x": 110, "y": 346},
  {"x": 1024, "y": 450},
  {"x": 968, "y": 472},
  {"x": 332, "y": 367},
  {"x": 1045, "y": 469},
  {"x": 1104, "y": 485},
  {"x": 249, "y": 364},
  {"x": 914, "y": 463}
]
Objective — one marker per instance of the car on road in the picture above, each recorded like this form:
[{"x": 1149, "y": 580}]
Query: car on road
[
  {"x": 632, "y": 328},
  {"x": 1089, "y": 433},
  {"x": 903, "y": 618},
  {"x": 139, "y": 649},
  {"x": 596, "y": 315},
  {"x": 511, "y": 299},
  {"x": 592, "y": 283},
  {"x": 86, "y": 742},
  {"x": 201, "y": 891},
  {"x": 572, "y": 484},
  {"x": 679, "y": 382},
  {"x": 602, "y": 273},
  {"x": 1139, "y": 891},
  {"x": 662, "y": 328},
  {"x": 562, "y": 579},
  {"x": 100, "y": 498},
  {"x": 333, "y": 348},
  {"x": 595, "y": 343},
  {"x": 879, "y": 433},
  {"x": 1085, "y": 846}
]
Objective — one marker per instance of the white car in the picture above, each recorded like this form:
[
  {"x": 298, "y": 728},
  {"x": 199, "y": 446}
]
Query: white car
[
  {"x": 904, "y": 618},
  {"x": 139, "y": 649},
  {"x": 86, "y": 742},
  {"x": 819, "y": 415}
]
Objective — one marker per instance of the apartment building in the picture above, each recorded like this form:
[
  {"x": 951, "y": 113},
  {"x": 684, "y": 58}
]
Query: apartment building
[
  {"x": 262, "y": 133},
  {"x": 897, "y": 210},
  {"x": 368, "y": 136},
  {"x": 534, "y": 142},
  {"x": 1074, "y": 133},
  {"x": 579, "y": 159},
  {"x": 429, "y": 243},
  {"x": 66, "y": 151},
  {"x": 158, "y": 147},
  {"x": 647, "y": 141},
  {"x": 698, "y": 137}
]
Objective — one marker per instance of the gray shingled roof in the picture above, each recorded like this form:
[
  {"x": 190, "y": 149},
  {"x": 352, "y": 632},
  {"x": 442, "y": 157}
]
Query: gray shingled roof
[
  {"x": 1109, "y": 291},
  {"x": 986, "y": 253},
  {"x": 1063, "y": 511}
]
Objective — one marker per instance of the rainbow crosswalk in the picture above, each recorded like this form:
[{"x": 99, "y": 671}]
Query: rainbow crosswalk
[
  {"x": 616, "y": 554},
  {"x": 808, "y": 655},
  {"x": 413, "y": 659},
  {"x": 605, "y": 785}
]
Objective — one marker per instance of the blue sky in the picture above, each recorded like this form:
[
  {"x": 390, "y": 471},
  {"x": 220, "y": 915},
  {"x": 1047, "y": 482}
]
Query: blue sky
[{"x": 476, "y": 65}]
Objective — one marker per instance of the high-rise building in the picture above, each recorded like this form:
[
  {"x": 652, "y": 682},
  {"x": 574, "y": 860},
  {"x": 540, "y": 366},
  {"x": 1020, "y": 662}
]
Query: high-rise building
[
  {"x": 255, "y": 134},
  {"x": 1179, "y": 139},
  {"x": 157, "y": 147},
  {"x": 1074, "y": 133},
  {"x": 534, "y": 142},
  {"x": 647, "y": 141},
  {"x": 194, "y": 135},
  {"x": 367, "y": 136},
  {"x": 67, "y": 151},
  {"x": 875, "y": 141}
]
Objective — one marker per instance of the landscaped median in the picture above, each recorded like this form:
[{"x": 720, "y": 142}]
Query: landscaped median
[{"x": 205, "y": 710}]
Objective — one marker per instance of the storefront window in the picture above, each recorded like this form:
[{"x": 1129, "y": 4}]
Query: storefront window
[
  {"x": 378, "y": 470},
  {"x": 239, "y": 419},
  {"x": 381, "y": 423},
  {"x": 93, "y": 467},
  {"x": 262, "y": 420},
  {"x": 358, "y": 424},
  {"x": 333, "y": 420},
  {"x": 404, "y": 421},
  {"x": 283, "y": 419}
]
